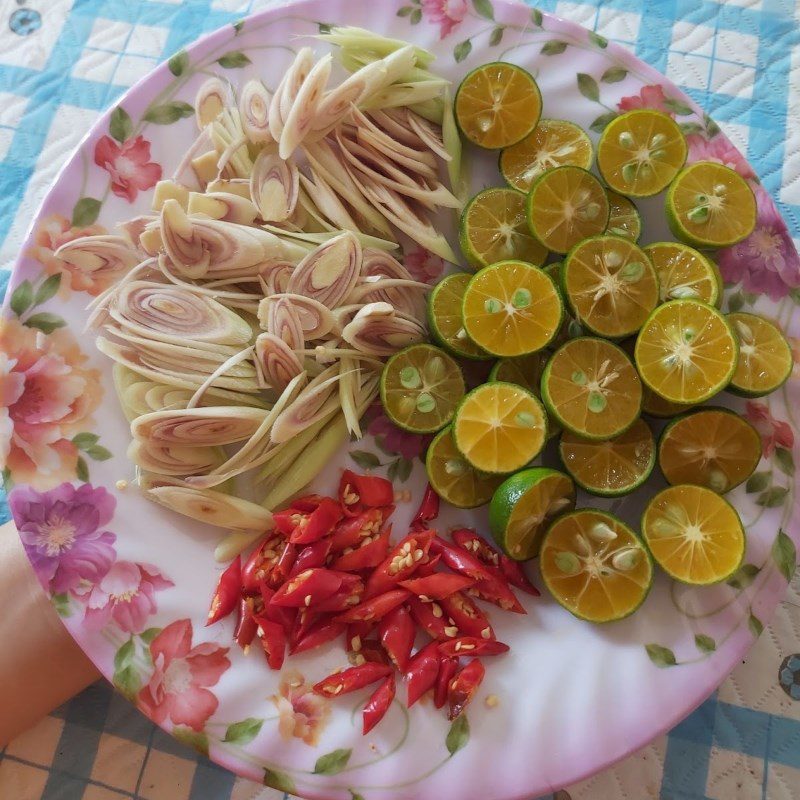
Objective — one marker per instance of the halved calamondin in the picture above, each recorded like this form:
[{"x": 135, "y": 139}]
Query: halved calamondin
[
  {"x": 685, "y": 273},
  {"x": 595, "y": 566},
  {"x": 445, "y": 320},
  {"x": 765, "y": 358}
]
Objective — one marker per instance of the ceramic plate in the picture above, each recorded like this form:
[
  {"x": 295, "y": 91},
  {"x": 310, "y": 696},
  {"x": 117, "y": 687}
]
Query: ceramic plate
[{"x": 132, "y": 581}]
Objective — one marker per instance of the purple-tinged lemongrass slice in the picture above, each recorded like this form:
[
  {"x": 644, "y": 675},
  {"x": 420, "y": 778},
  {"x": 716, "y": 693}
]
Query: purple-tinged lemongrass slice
[
  {"x": 328, "y": 202},
  {"x": 274, "y": 276},
  {"x": 349, "y": 385},
  {"x": 231, "y": 145},
  {"x": 104, "y": 256},
  {"x": 276, "y": 361},
  {"x": 329, "y": 273},
  {"x": 224, "y": 206},
  {"x": 133, "y": 228},
  {"x": 99, "y": 305},
  {"x": 378, "y": 330},
  {"x": 185, "y": 173},
  {"x": 296, "y": 76},
  {"x": 337, "y": 103},
  {"x": 210, "y": 100},
  {"x": 211, "y": 426},
  {"x": 316, "y": 320},
  {"x": 150, "y": 241},
  {"x": 421, "y": 161},
  {"x": 213, "y": 507},
  {"x": 166, "y": 190},
  {"x": 282, "y": 319},
  {"x": 254, "y": 103},
  {"x": 430, "y": 134},
  {"x": 407, "y": 297},
  {"x": 173, "y": 459},
  {"x": 300, "y": 118},
  {"x": 394, "y": 122},
  {"x": 237, "y": 186},
  {"x": 274, "y": 186}
]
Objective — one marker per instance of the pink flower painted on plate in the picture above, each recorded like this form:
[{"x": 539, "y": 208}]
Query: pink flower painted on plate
[
  {"x": 128, "y": 164},
  {"x": 766, "y": 262},
  {"x": 394, "y": 440},
  {"x": 63, "y": 533},
  {"x": 445, "y": 13},
  {"x": 301, "y": 713},
  {"x": 47, "y": 395},
  {"x": 423, "y": 265},
  {"x": 126, "y": 596},
  {"x": 178, "y": 689},
  {"x": 650, "y": 97},
  {"x": 774, "y": 432},
  {"x": 52, "y": 232},
  {"x": 719, "y": 149}
]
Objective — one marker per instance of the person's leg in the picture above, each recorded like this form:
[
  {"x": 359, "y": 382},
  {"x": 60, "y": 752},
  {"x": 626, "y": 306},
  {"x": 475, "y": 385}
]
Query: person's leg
[{"x": 40, "y": 664}]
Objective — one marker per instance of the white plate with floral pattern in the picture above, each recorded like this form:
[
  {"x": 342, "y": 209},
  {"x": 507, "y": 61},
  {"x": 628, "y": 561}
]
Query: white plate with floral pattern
[{"x": 132, "y": 581}]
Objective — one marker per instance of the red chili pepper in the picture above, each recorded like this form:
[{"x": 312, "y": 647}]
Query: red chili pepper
[
  {"x": 273, "y": 639},
  {"x": 463, "y": 687},
  {"x": 351, "y": 531},
  {"x": 307, "y": 503},
  {"x": 437, "y": 586},
  {"x": 308, "y": 588},
  {"x": 466, "y": 616},
  {"x": 356, "y": 635},
  {"x": 447, "y": 669},
  {"x": 262, "y": 561},
  {"x": 514, "y": 574},
  {"x": 397, "y": 633},
  {"x": 427, "y": 566},
  {"x": 226, "y": 595},
  {"x": 421, "y": 672},
  {"x": 313, "y": 555},
  {"x": 357, "y": 492},
  {"x": 320, "y": 632},
  {"x": 374, "y": 608},
  {"x": 318, "y": 523},
  {"x": 431, "y": 618},
  {"x": 246, "y": 626},
  {"x": 349, "y": 594},
  {"x": 373, "y": 652},
  {"x": 351, "y": 680},
  {"x": 401, "y": 563},
  {"x": 488, "y": 585},
  {"x": 287, "y": 520},
  {"x": 371, "y": 552},
  {"x": 377, "y": 705},
  {"x": 428, "y": 509},
  {"x": 472, "y": 646},
  {"x": 283, "y": 616}
]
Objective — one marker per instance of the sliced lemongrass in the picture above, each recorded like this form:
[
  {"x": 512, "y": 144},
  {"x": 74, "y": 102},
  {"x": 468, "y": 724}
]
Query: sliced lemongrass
[
  {"x": 222, "y": 205},
  {"x": 300, "y": 119},
  {"x": 173, "y": 459},
  {"x": 254, "y": 102},
  {"x": 378, "y": 329},
  {"x": 169, "y": 190},
  {"x": 274, "y": 186},
  {"x": 276, "y": 361}
]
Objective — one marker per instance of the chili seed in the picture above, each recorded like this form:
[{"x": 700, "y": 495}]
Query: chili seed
[
  {"x": 436, "y": 610},
  {"x": 451, "y": 630}
]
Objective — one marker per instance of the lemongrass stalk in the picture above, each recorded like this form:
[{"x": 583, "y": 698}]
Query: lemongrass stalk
[
  {"x": 325, "y": 236},
  {"x": 432, "y": 110},
  {"x": 223, "y": 205},
  {"x": 222, "y": 369},
  {"x": 328, "y": 203},
  {"x": 176, "y": 460},
  {"x": 235, "y": 543},
  {"x": 359, "y": 40},
  {"x": 300, "y": 119}
]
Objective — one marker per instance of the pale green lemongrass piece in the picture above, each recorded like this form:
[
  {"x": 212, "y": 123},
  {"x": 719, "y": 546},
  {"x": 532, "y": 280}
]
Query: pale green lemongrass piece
[
  {"x": 432, "y": 110},
  {"x": 238, "y": 186},
  {"x": 315, "y": 218},
  {"x": 235, "y": 543},
  {"x": 360, "y": 40},
  {"x": 210, "y": 426},
  {"x": 411, "y": 95},
  {"x": 124, "y": 378}
]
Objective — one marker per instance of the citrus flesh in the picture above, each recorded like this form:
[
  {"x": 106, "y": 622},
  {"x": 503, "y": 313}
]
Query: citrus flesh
[
  {"x": 765, "y": 358},
  {"x": 444, "y": 316},
  {"x": 683, "y": 272}
]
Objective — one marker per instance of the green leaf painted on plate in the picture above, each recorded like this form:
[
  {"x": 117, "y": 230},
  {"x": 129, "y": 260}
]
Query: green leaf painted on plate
[
  {"x": 404, "y": 467},
  {"x": 484, "y": 8},
  {"x": 416, "y": 16},
  {"x": 233, "y": 59},
  {"x": 148, "y": 635},
  {"x": 462, "y": 50},
  {"x": 47, "y": 289},
  {"x": 324, "y": 27},
  {"x": 391, "y": 473},
  {"x": 784, "y": 460},
  {"x": 712, "y": 129},
  {"x": 750, "y": 298},
  {"x": 735, "y": 302},
  {"x": 332, "y": 763},
  {"x": 678, "y": 107},
  {"x": 744, "y": 576},
  {"x": 279, "y": 780},
  {"x": 168, "y": 113},
  {"x": 243, "y": 732},
  {"x": 85, "y": 439},
  {"x": 688, "y": 128},
  {"x": 784, "y": 555},
  {"x": 704, "y": 643},
  {"x": 196, "y": 740},
  {"x": 127, "y": 682},
  {"x": 124, "y": 656},
  {"x": 355, "y": 795},
  {"x": 45, "y": 322},
  {"x": 772, "y": 498},
  {"x": 497, "y": 36},
  {"x": 365, "y": 459},
  {"x": 757, "y": 482},
  {"x": 404, "y": 11},
  {"x": 536, "y": 17},
  {"x": 85, "y": 212},
  {"x": 22, "y": 298},
  {"x": 237, "y": 26},
  {"x": 755, "y": 625},
  {"x": 458, "y": 735},
  {"x": 553, "y": 48},
  {"x": 614, "y": 75},
  {"x": 598, "y": 40},
  {"x": 795, "y": 295},
  {"x": 178, "y": 63},
  {"x": 98, "y": 453},
  {"x": 588, "y": 87},
  {"x": 661, "y": 656},
  {"x": 599, "y": 125},
  {"x": 81, "y": 470},
  {"x": 61, "y": 604},
  {"x": 120, "y": 125}
]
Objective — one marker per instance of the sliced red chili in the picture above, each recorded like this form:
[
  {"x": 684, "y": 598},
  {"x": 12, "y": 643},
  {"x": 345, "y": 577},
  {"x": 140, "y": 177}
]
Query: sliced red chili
[
  {"x": 421, "y": 672},
  {"x": 226, "y": 595},
  {"x": 261, "y": 562},
  {"x": 401, "y": 563},
  {"x": 321, "y": 631},
  {"x": 318, "y": 523},
  {"x": 377, "y": 705},
  {"x": 282, "y": 615},
  {"x": 313, "y": 555},
  {"x": 246, "y": 626},
  {"x": 374, "y": 608},
  {"x": 273, "y": 639},
  {"x": 447, "y": 669},
  {"x": 351, "y": 531},
  {"x": 373, "y": 652},
  {"x": 427, "y": 566},
  {"x": 472, "y": 646},
  {"x": 437, "y": 586},
  {"x": 431, "y": 618},
  {"x": 428, "y": 509},
  {"x": 466, "y": 616},
  {"x": 357, "y": 492},
  {"x": 350, "y": 680},
  {"x": 515, "y": 575},
  {"x": 349, "y": 594},
  {"x": 397, "y": 633},
  {"x": 287, "y": 520},
  {"x": 356, "y": 635},
  {"x": 463, "y": 687},
  {"x": 308, "y": 588},
  {"x": 307, "y": 503},
  {"x": 371, "y": 552}
]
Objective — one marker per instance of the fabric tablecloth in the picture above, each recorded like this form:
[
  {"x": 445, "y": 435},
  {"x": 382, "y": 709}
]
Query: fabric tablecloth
[{"x": 63, "y": 61}]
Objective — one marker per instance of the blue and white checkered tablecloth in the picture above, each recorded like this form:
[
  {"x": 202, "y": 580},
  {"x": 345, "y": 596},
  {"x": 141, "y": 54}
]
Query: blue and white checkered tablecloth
[{"x": 63, "y": 61}]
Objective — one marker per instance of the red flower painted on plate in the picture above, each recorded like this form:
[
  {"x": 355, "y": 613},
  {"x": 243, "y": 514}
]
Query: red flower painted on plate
[
  {"x": 395, "y": 440},
  {"x": 178, "y": 689},
  {"x": 445, "y": 13},
  {"x": 125, "y": 596},
  {"x": 128, "y": 164},
  {"x": 46, "y": 397},
  {"x": 301, "y": 713},
  {"x": 650, "y": 97},
  {"x": 719, "y": 149},
  {"x": 423, "y": 265},
  {"x": 766, "y": 262},
  {"x": 774, "y": 432}
]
